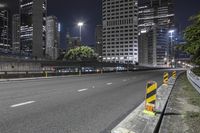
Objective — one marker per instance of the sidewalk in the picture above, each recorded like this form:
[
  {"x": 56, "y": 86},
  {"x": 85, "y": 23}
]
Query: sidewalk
[{"x": 182, "y": 114}]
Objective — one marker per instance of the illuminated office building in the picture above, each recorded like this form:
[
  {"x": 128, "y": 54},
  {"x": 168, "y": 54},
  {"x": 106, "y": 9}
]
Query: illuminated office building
[
  {"x": 155, "y": 19},
  {"x": 52, "y": 38},
  {"x": 33, "y": 27},
  {"x": 16, "y": 33},
  {"x": 4, "y": 31},
  {"x": 120, "y": 31}
]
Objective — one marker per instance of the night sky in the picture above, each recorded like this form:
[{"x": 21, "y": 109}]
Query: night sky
[{"x": 69, "y": 12}]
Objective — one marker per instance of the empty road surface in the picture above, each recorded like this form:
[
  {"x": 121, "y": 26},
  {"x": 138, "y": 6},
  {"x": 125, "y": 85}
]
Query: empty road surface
[{"x": 74, "y": 104}]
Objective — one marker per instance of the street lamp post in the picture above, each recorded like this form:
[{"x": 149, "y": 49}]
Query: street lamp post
[
  {"x": 80, "y": 24},
  {"x": 171, "y": 48}
]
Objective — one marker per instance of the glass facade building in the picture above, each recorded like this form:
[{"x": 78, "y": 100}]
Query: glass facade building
[
  {"x": 53, "y": 37},
  {"x": 33, "y": 27},
  {"x": 156, "y": 18},
  {"x": 4, "y": 31},
  {"x": 16, "y": 33}
]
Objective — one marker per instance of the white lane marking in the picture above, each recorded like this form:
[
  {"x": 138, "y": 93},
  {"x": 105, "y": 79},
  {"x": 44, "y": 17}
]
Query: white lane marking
[
  {"x": 109, "y": 83},
  {"x": 83, "y": 90},
  {"x": 21, "y": 104},
  {"x": 124, "y": 80}
]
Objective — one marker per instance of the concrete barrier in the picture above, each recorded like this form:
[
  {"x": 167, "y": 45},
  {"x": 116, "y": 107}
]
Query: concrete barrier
[
  {"x": 140, "y": 122},
  {"x": 19, "y": 66}
]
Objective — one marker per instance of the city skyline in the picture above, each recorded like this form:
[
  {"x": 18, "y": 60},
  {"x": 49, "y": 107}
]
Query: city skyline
[
  {"x": 68, "y": 15},
  {"x": 99, "y": 66}
]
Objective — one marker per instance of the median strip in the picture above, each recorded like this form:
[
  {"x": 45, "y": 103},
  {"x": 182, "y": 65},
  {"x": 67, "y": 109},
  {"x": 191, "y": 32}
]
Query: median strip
[{"x": 21, "y": 104}]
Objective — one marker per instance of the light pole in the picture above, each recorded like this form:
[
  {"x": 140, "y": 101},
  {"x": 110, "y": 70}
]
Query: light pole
[
  {"x": 80, "y": 24},
  {"x": 171, "y": 48}
]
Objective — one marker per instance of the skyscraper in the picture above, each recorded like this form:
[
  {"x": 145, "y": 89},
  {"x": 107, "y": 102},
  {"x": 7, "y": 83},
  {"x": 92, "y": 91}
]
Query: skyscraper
[
  {"x": 52, "y": 38},
  {"x": 16, "y": 33},
  {"x": 72, "y": 42},
  {"x": 156, "y": 18},
  {"x": 120, "y": 31},
  {"x": 33, "y": 27},
  {"x": 4, "y": 31}
]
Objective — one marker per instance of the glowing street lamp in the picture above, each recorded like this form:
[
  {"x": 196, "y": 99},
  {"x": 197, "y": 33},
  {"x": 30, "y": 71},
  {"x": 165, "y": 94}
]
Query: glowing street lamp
[
  {"x": 80, "y": 24},
  {"x": 171, "y": 49},
  {"x": 171, "y": 31},
  {"x": 171, "y": 35},
  {"x": 2, "y": 5}
]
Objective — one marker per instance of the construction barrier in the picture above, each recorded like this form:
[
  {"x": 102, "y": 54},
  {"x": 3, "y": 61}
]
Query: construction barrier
[
  {"x": 174, "y": 74},
  {"x": 150, "y": 100},
  {"x": 45, "y": 74},
  {"x": 166, "y": 78}
]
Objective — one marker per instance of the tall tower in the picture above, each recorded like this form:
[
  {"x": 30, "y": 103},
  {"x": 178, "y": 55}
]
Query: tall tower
[
  {"x": 4, "y": 37},
  {"x": 72, "y": 42},
  {"x": 33, "y": 27},
  {"x": 16, "y": 33},
  {"x": 156, "y": 18},
  {"x": 52, "y": 38},
  {"x": 120, "y": 31}
]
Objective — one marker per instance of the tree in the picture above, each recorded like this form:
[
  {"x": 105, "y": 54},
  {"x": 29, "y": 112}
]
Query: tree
[
  {"x": 192, "y": 36},
  {"x": 82, "y": 53}
]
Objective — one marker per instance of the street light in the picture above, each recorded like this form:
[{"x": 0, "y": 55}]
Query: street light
[
  {"x": 171, "y": 33},
  {"x": 80, "y": 24},
  {"x": 171, "y": 50},
  {"x": 2, "y": 5}
]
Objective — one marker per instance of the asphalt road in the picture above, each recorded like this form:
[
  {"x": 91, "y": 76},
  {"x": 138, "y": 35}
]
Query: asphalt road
[{"x": 85, "y": 104}]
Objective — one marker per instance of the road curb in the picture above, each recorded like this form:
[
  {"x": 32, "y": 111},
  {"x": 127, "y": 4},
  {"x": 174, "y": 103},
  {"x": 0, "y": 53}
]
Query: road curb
[{"x": 139, "y": 122}]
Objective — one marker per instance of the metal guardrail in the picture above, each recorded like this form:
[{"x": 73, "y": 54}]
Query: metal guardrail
[{"x": 194, "y": 80}]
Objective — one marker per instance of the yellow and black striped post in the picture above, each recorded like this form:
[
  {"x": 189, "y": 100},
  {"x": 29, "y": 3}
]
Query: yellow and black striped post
[
  {"x": 174, "y": 74},
  {"x": 46, "y": 74},
  {"x": 150, "y": 101},
  {"x": 166, "y": 78}
]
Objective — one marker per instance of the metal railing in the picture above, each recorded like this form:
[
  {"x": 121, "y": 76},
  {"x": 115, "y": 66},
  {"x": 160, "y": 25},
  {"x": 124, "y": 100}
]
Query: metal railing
[{"x": 194, "y": 80}]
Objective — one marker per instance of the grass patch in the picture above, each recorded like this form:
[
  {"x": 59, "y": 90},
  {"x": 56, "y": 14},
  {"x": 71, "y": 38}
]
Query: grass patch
[
  {"x": 195, "y": 101},
  {"x": 193, "y": 97},
  {"x": 196, "y": 71},
  {"x": 189, "y": 91},
  {"x": 193, "y": 120},
  {"x": 193, "y": 115}
]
